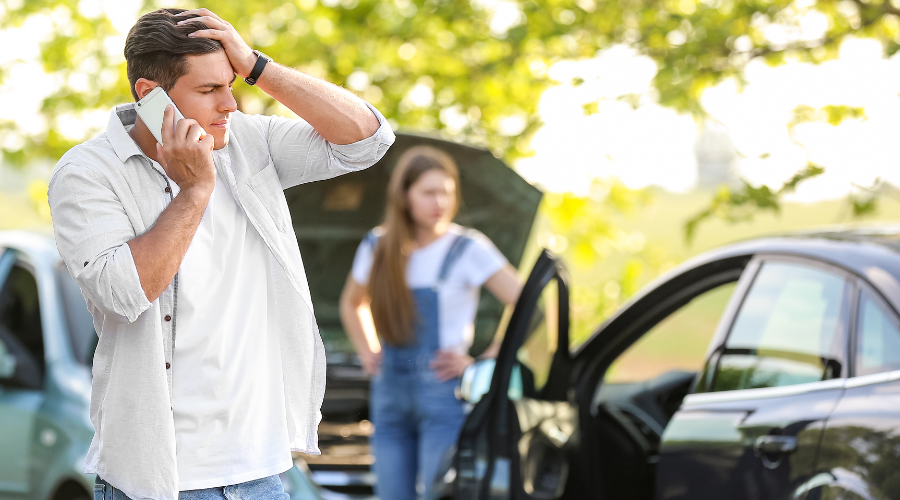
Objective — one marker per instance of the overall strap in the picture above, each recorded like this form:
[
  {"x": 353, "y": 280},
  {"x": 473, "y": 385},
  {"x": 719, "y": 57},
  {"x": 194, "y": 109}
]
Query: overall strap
[
  {"x": 453, "y": 254},
  {"x": 371, "y": 239}
]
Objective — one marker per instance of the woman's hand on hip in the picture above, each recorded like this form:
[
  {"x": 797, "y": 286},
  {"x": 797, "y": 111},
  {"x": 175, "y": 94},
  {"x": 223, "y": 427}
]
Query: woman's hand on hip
[
  {"x": 371, "y": 362},
  {"x": 450, "y": 364}
]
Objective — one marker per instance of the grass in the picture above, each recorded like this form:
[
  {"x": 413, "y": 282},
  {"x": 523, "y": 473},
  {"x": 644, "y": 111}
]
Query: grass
[{"x": 678, "y": 342}]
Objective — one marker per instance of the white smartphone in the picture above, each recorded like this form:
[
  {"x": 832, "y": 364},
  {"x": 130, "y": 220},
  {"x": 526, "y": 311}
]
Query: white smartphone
[{"x": 151, "y": 109}]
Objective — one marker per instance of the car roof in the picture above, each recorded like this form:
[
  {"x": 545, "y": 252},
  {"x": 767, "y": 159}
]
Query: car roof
[
  {"x": 37, "y": 245},
  {"x": 869, "y": 252}
]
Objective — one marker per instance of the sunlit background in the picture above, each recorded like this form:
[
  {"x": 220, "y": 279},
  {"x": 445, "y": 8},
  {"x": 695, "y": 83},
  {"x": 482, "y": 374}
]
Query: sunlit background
[{"x": 599, "y": 137}]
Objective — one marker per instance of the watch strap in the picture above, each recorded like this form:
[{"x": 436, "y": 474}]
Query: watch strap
[{"x": 261, "y": 61}]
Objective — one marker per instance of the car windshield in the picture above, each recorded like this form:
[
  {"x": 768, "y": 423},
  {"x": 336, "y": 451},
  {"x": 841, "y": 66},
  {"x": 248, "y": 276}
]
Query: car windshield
[{"x": 81, "y": 325}]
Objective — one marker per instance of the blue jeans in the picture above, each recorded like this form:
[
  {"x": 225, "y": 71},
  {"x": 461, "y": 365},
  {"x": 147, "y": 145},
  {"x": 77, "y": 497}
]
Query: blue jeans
[
  {"x": 417, "y": 418},
  {"x": 267, "y": 488}
]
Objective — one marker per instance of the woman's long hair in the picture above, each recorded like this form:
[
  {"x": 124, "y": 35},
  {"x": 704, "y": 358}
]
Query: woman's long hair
[{"x": 393, "y": 309}]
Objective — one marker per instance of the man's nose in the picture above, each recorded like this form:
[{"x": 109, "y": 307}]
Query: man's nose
[{"x": 229, "y": 104}]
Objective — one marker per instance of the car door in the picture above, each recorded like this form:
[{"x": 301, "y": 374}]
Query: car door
[
  {"x": 581, "y": 438},
  {"x": 776, "y": 371},
  {"x": 21, "y": 373},
  {"x": 860, "y": 451},
  {"x": 518, "y": 443}
]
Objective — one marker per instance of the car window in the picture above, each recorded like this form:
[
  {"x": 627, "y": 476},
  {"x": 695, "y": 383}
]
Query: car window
[
  {"x": 82, "y": 336},
  {"x": 536, "y": 354},
  {"x": 877, "y": 337},
  {"x": 791, "y": 329},
  {"x": 678, "y": 342},
  {"x": 20, "y": 327}
]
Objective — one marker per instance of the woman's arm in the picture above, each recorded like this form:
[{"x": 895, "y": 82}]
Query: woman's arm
[
  {"x": 505, "y": 285},
  {"x": 357, "y": 320}
]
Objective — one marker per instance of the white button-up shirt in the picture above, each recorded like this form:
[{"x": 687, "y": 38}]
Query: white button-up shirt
[{"x": 104, "y": 193}]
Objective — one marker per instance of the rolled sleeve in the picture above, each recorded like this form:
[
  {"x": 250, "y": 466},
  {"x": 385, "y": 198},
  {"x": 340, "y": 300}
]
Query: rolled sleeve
[
  {"x": 301, "y": 155},
  {"x": 366, "y": 152},
  {"x": 92, "y": 232}
]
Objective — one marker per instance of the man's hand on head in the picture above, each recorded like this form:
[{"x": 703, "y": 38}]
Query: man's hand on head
[
  {"x": 186, "y": 158},
  {"x": 337, "y": 114},
  {"x": 239, "y": 53}
]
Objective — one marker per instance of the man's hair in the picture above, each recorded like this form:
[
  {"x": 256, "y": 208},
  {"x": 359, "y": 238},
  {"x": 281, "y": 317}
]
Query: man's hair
[{"x": 156, "y": 47}]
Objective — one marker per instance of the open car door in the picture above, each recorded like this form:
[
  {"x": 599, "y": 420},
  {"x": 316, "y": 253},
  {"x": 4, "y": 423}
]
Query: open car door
[{"x": 518, "y": 441}]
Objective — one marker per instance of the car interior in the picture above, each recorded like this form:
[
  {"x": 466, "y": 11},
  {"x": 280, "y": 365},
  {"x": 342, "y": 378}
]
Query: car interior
[
  {"x": 634, "y": 373},
  {"x": 633, "y": 399}
]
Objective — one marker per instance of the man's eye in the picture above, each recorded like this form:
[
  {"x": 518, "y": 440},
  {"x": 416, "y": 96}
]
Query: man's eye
[{"x": 210, "y": 91}]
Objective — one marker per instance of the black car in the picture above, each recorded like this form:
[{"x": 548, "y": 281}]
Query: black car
[{"x": 768, "y": 369}]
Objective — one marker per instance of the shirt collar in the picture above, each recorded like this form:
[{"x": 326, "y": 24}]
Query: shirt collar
[{"x": 121, "y": 116}]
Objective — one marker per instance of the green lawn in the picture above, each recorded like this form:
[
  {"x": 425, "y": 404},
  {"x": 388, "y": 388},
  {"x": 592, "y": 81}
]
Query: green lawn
[{"x": 679, "y": 342}]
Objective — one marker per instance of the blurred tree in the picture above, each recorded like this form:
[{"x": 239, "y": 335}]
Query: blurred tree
[
  {"x": 587, "y": 230},
  {"x": 741, "y": 204},
  {"x": 472, "y": 69}
]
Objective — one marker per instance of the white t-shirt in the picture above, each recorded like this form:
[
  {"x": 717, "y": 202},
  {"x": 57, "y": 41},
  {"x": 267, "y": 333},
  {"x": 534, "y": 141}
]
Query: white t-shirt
[
  {"x": 458, "y": 294},
  {"x": 228, "y": 393}
]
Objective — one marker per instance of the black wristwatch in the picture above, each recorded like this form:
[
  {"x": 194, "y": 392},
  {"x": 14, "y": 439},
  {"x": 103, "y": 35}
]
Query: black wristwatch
[{"x": 261, "y": 60}]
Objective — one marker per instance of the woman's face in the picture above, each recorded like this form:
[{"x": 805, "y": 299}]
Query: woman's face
[{"x": 431, "y": 198}]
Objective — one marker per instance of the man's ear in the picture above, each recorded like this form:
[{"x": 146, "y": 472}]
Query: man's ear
[{"x": 143, "y": 87}]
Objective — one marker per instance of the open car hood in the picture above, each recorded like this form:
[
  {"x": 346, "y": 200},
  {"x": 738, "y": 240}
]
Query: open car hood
[{"x": 331, "y": 218}]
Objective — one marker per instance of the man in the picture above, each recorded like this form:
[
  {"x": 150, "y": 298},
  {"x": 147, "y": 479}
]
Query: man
[{"x": 209, "y": 369}]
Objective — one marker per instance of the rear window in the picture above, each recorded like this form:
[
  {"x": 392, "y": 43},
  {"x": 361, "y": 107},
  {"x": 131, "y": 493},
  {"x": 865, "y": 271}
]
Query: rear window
[{"x": 82, "y": 336}]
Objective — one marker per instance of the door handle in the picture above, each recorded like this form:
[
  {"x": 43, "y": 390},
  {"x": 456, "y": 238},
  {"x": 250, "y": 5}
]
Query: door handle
[{"x": 776, "y": 444}]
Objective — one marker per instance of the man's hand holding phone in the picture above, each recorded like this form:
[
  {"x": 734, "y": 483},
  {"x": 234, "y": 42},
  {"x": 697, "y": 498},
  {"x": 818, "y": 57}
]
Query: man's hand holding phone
[{"x": 186, "y": 153}]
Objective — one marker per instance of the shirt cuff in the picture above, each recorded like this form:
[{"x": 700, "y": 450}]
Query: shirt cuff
[
  {"x": 371, "y": 148},
  {"x": 127, "y": 288}
]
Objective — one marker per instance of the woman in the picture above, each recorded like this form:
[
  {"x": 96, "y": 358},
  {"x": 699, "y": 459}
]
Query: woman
[{"x": 419, "y": 275}]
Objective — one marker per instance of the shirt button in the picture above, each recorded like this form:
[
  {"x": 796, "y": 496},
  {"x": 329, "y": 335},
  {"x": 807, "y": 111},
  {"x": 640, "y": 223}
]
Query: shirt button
[
  {"x": 168, "y": 318},
  {"x": 85, "y": 262},
  {"x": 168, "y": 366},
  {"x": 168, "y": 189}
]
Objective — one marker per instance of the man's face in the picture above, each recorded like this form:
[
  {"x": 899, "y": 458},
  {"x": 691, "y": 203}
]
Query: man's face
[{"x": 204, "y": 94}]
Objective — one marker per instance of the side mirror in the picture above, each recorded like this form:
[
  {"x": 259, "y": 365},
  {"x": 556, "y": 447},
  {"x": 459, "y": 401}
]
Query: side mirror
[
  {"x": 476, "y": 381},
  {"x": 7, "y": 363}
]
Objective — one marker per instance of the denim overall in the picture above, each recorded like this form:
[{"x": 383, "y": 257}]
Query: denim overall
[{"x": 417, "y": 417}]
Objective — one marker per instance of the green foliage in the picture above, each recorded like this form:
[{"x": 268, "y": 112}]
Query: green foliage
[
  {"x": 742, "y": 204},
  {"x": 477, "y": 73},
  {"x": 447, "y": 67},
  {"x": 861, "y": 206},
  {"x": 587, "y": 230},
  {"x": 834, "y": 115}
]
